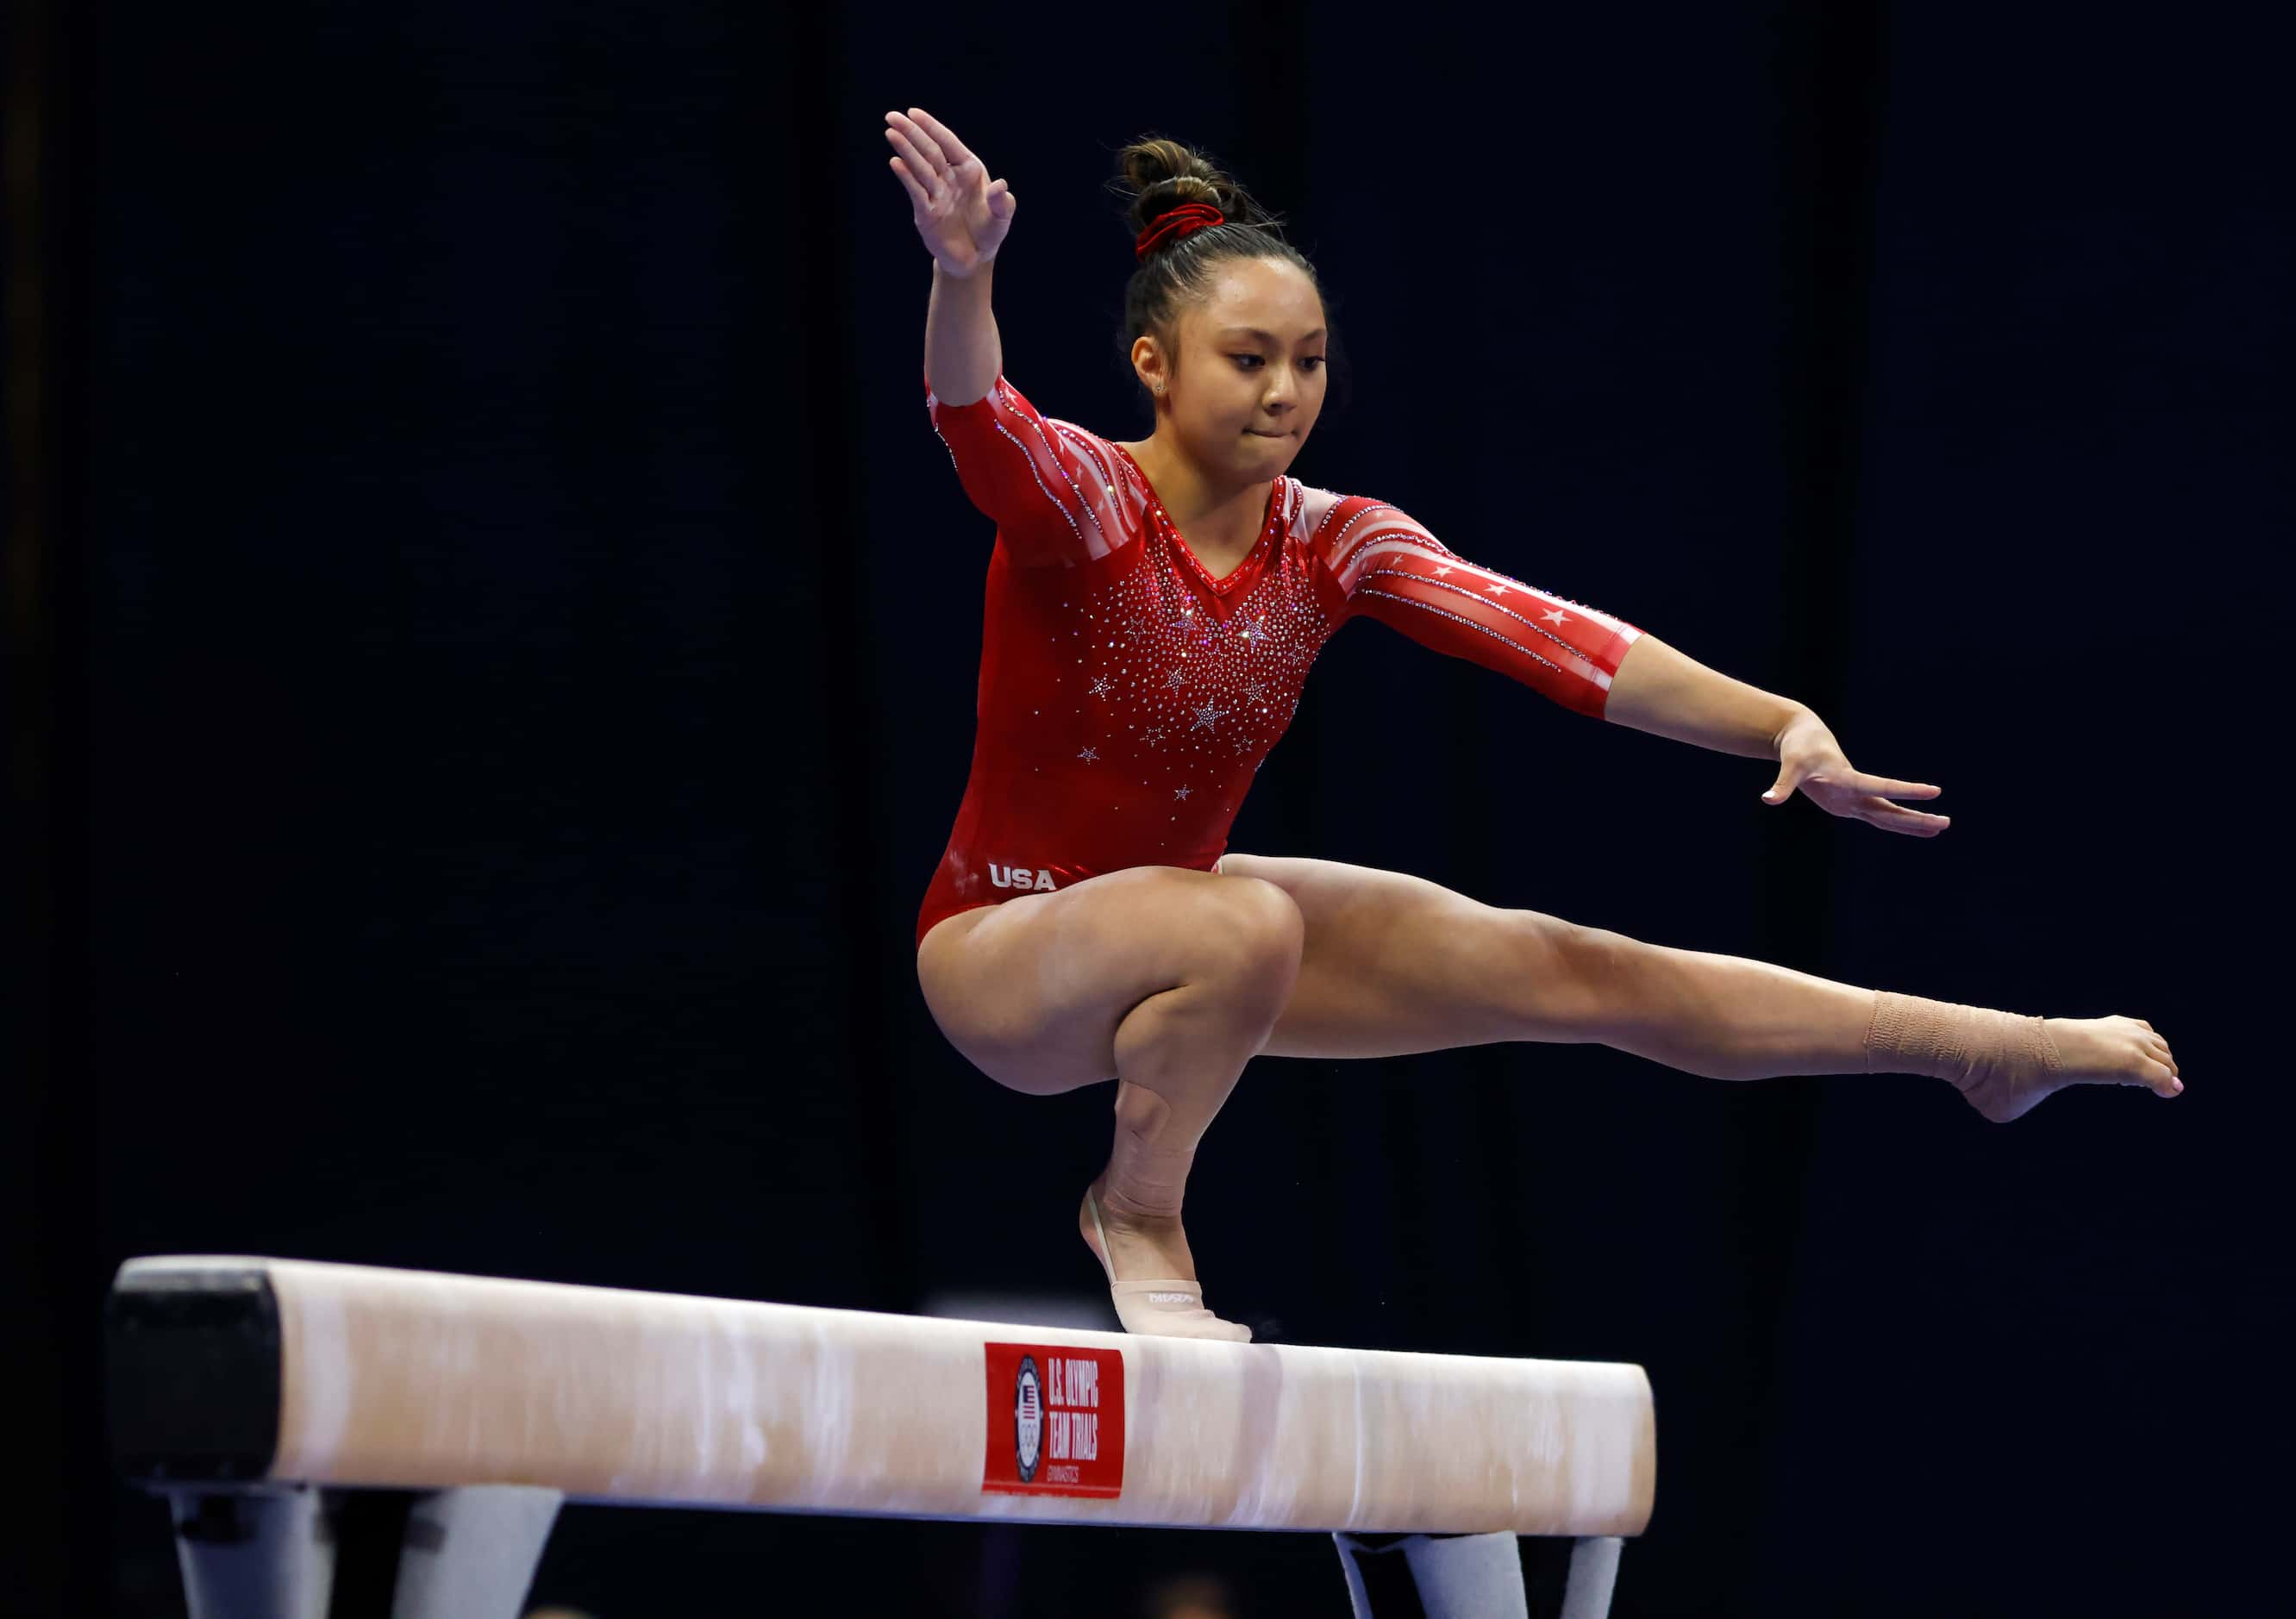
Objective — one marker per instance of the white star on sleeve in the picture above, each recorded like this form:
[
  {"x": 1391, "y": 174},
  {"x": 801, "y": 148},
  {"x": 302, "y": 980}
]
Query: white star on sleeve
[{"x": 1554, "y": 618}]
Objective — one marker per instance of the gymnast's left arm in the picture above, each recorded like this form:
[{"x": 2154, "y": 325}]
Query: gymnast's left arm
[
  {"x": 1659, "y": 690},
  {"x": 1383, "y": 564}
]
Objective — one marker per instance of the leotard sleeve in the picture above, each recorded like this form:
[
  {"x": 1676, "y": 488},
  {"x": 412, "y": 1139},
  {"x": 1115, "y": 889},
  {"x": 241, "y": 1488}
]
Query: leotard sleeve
[
  {"x": 1052, "y": 487},
  {"x": 1382, "y": 565}
]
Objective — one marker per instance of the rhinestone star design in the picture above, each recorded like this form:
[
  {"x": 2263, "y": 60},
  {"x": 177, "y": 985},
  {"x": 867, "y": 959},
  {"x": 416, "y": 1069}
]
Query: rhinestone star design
[
  {"x": 1102, "y": 686},
  {"x": 1180, "y": 794},
  {"x": 1175, "y": 680},
  {"x": 1206, "y": 717},
  {"x": 1089, "y": 754}
]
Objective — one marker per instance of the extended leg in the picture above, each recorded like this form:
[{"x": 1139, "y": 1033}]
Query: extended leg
[
  {"x": 1393, "y": 963},
  {"x": 1729, "y": 1018}
]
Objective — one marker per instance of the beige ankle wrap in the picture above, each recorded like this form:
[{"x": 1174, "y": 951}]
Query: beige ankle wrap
[{"x": 2003, "y": 1064}]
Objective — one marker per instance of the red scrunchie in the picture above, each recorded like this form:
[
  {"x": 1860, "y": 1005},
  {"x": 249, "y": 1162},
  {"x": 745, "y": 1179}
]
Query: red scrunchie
[{"x": 1189, "y": 216}]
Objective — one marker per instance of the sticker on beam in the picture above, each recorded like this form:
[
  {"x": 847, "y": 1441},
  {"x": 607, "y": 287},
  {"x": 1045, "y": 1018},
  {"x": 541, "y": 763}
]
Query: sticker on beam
[{"x": 1055, "y": 1420}]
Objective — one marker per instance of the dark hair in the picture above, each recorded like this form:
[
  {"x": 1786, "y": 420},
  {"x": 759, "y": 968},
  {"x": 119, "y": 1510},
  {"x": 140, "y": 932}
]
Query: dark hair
[{"x": 1157, "y": 176}]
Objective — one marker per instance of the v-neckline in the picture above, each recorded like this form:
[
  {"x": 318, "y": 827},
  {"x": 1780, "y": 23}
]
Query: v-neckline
[{"x": 1222, "y": 584}]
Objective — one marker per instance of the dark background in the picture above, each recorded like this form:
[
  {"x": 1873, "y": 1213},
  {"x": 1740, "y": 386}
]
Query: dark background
[{"x": 492, "y": 637}]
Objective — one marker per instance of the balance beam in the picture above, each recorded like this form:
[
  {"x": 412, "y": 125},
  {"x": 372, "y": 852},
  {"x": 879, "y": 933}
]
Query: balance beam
[{"x": 248, "y": 1373}]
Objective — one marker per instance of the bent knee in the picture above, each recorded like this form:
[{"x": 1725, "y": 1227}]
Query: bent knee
[{"x": 1252, "y": 937}]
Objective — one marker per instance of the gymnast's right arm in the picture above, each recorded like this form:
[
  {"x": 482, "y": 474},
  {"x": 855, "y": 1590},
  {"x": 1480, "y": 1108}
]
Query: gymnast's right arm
[
  {"x": 1036, "y": 479},
  {"x": 962, "y": 216}
]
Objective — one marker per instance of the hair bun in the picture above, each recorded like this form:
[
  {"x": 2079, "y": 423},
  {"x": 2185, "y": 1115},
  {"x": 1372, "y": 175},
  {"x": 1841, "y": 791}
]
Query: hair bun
[{"x": 1161, "y": 175}]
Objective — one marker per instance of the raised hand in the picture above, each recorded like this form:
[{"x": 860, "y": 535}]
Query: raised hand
[{"x": 962, "y": 213}]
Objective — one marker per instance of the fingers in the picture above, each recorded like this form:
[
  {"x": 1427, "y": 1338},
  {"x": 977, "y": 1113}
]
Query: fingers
[
  {"x": 1896, "y": 818},
  {"x": 953, "y": 149},
  {"x": 1890, "y": 817},
  {"x": 1848, "y": 782},
  {"x": 920, "y": 198},
  {"x": 929, "y": 157},
  {"x": 1912, "y": 826},
  {"x": 1859, "y": 782},
  {"x": 923, "y": 169}
]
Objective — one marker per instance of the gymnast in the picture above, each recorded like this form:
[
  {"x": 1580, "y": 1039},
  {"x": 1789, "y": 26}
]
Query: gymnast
[{"x": 1152, "y": 609}]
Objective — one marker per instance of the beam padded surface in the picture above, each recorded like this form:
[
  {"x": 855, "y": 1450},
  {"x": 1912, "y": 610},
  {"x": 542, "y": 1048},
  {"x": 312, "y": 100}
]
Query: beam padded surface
[{"x": 410, "y": 1379}]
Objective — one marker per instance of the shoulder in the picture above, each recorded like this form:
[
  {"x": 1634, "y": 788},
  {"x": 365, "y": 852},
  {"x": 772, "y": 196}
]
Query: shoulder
[
  {"x": 1337, "y": 527},
  {"x": 1115, "y": 473}
]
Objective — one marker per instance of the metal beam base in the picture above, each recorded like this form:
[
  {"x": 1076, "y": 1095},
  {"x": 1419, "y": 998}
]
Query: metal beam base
[{"x": 302, "y": 1553}]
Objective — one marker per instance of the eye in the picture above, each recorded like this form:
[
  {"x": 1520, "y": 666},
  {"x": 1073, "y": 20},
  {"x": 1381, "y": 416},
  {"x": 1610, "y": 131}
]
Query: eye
[{"x": 1313, "y": 359}]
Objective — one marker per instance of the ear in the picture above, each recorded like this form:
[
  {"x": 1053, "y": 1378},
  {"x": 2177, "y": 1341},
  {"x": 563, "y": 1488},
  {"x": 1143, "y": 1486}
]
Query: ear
[{"x": 1148, "y": 365}]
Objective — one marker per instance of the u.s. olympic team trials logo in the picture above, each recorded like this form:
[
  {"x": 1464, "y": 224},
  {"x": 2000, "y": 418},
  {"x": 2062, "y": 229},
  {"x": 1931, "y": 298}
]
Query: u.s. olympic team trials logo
[
  {"x": 1028, "y": 1417},
  {"x": 1054, "y": 1419}
]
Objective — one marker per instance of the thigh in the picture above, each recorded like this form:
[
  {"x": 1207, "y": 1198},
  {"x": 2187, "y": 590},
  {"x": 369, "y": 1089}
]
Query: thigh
[
  {"x": 1032, "y": 990},
  {"x": 1393, "y": 964}
]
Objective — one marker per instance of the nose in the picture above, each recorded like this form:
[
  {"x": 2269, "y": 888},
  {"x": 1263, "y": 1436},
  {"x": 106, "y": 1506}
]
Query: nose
[{"x": 1283, "y": 386}]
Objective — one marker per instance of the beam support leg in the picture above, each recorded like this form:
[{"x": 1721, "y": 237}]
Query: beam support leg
[
  {"x": 472, "y": 1554},
  {"x": 274, "y": 1553},
  {"x": 1438, "y": 1576},
  {"x": 254, "y": 1553},
  {"x": 1594, "y": 1571}
]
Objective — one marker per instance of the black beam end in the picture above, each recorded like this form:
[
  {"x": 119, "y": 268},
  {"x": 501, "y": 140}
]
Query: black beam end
[{"x": 191, "y": 1373}]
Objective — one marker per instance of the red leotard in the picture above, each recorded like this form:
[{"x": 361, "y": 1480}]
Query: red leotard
[{"x": 1126, "y": 696}]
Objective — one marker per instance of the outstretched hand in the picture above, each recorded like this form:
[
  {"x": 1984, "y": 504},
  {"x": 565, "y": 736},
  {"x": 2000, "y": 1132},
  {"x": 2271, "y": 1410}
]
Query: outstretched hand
[
  {"x": 960, "y": 212},
  {"x": 1810, "y": 759}
]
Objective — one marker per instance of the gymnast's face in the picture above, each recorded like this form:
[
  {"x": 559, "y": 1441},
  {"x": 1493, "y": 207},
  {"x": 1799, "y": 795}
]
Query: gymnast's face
[{"x": 1250, "y": 383}]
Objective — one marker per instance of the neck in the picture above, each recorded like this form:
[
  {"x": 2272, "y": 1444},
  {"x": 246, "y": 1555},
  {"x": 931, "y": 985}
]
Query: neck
[{"x": 1218, "y": 512}]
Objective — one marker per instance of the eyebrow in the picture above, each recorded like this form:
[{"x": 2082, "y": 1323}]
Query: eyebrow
[{"x": 1254, "y": 331}]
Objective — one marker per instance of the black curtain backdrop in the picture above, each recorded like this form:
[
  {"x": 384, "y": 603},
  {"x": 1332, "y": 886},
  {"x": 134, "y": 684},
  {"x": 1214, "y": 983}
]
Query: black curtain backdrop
[{"x": 497, "y": 636}]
